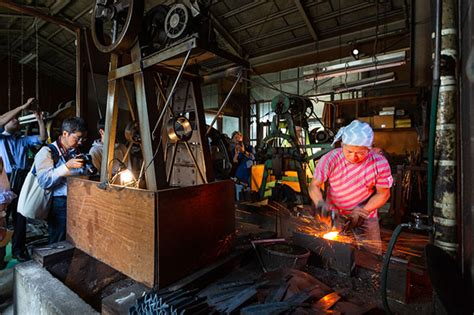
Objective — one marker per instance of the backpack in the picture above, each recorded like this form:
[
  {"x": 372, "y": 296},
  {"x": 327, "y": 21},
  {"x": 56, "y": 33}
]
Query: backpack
[{"x": 34, "y": 201}]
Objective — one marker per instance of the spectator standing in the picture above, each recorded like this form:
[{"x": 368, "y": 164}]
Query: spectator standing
[
  {"x": 53, "y": 176},
  {"x": 14, "y": 150}
]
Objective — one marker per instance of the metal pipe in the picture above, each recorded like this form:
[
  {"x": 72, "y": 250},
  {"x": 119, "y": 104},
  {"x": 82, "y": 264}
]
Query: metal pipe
[
  {"x": 225, "y": 101},
  {"x": 213, "y": 77},
  {"x": 183, "y": 66}
]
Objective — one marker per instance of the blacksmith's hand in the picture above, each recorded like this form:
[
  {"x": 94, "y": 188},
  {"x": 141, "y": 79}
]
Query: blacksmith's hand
[
  {"x": 361, "y": 212},
  {"x": 323, "y": 208},
  {"x": 74, "y": 163}
]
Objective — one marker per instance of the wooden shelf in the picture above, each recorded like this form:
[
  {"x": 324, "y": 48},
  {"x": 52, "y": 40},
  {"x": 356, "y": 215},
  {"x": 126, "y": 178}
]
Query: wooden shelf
[{"x": 395, "y": 129}]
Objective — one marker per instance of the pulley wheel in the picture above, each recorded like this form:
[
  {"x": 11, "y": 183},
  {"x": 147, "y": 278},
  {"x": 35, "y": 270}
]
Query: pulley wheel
[
  {"x": 177, "y": 21},
  {"x": 132, "y": 133},
  {"x": 322, "y": 136},
  {"x": 179, "y": 129},
  {"x": 116, "y": 24}
]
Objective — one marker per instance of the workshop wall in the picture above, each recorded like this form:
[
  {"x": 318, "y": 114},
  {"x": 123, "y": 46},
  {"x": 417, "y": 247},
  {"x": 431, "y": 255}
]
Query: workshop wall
[{"x": 51, "y": 91}]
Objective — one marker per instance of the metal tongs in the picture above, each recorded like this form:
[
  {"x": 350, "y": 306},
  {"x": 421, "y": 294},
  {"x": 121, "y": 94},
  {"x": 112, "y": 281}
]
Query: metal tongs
[{"x": 349, "y": 224}]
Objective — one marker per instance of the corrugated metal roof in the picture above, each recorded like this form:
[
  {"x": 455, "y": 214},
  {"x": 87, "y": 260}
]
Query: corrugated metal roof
[{"x": 259, "y": 27}]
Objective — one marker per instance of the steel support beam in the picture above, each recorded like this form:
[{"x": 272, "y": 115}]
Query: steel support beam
[
  {"x": 326, "y": 34},
  {"x": 272, "y": 54},
  {"x": 291, "y": 10},
  {"x": 226, "y": 35},
  {"x": 306, "y": 19},
  {"x": 243, "y": 8}
]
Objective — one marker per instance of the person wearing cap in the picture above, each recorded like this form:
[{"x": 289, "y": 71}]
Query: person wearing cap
[{"x": 357, "y": 182}]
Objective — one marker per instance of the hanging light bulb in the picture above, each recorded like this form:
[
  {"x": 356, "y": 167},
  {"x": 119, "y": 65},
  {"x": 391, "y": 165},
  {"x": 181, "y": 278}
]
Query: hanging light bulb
[
  {"x": 126, "y": 177},
  {"x": 355, "y": 53}
]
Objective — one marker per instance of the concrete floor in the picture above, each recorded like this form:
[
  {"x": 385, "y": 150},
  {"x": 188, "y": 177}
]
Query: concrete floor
[{"x": 6, "y": 291}]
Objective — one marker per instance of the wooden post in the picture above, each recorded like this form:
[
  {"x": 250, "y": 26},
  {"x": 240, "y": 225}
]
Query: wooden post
[{"x": 111, "y": 116}]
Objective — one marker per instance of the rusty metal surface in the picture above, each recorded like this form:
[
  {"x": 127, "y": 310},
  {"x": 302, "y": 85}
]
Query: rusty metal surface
[
  {"x": 445, "y": 156},
  {"x": 331, "y": 254},
  {"x": 398, "y": 283},
  {"x": 195, "y": 226}
]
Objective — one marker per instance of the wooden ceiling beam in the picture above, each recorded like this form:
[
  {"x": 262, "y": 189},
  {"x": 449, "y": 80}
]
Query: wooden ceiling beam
[
  {"x": 306, "y": 19},
  {"x": 36, "y": 13}
]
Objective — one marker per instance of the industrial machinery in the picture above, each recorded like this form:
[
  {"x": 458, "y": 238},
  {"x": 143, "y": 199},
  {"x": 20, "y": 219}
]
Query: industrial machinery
[
  {"x": 290, "y": 146},
  {"x": 160, "y": 227},
  {"x": 174, "y": 137},
  {"x": 52, "y": 121}
]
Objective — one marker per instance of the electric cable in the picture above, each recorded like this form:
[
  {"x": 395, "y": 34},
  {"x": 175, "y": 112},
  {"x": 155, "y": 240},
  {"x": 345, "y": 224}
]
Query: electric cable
[
  {"x": 94, "y": 86},
  {"x": 37, "y": 61},
  {"x": 9, "y": 68}
]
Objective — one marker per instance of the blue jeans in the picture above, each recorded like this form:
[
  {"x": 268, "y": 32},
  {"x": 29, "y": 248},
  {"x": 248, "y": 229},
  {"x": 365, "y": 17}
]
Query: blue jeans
[{"x": 57, "y": 220}]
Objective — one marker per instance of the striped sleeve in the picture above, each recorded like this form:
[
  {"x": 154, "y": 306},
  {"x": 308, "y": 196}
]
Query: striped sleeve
[
  {"x": 321, "y": 171},
  {"x": 384, "y": 177}
]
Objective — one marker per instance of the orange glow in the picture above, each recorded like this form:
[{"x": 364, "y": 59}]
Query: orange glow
[{"x": 331, "y": 235}]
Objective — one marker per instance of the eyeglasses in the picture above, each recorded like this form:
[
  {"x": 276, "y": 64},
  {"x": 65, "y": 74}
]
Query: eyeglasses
[{"x": 79, "y": 139}]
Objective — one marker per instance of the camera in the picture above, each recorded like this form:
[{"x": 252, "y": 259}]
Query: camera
[{"x": 87, "y": 158}]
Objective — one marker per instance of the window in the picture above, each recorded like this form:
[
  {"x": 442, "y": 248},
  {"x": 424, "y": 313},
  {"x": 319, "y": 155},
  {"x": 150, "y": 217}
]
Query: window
[
  {"x": 253, "y": 124},
  {"x": 230, "y": 124}
]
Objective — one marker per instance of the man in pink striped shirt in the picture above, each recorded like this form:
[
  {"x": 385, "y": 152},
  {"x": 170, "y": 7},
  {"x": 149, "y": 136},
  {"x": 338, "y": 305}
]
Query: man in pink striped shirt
[{"x": 357, "y": 182}]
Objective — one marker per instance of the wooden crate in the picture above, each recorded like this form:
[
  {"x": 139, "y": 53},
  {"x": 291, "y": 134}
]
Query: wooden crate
[{"x": 156, "y": 237}]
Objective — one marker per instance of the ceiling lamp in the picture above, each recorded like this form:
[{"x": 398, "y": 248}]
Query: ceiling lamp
[
  {"x": 357, "y": 66},
  {"x": 355, "y": 53},
  {"x": 367, "y": 82}
]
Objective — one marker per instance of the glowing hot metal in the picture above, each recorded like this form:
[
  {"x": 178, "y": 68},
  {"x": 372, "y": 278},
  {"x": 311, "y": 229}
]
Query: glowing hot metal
[{"x": 331, "y": 235}]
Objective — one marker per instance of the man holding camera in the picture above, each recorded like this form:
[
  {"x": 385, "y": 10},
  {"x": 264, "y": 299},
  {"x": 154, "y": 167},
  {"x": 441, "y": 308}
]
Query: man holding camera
[
  {"x": 56, "y": 162},
  {"x": 243, "y": 157},
  {"x": 14, "y": 150}
]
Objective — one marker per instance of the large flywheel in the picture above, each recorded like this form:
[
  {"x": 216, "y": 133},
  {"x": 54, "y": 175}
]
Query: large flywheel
[
  {"x": 116, "y": 24},
  {"x": 178, "y": 21}
]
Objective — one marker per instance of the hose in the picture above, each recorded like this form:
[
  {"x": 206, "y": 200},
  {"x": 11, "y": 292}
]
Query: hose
[{"x": 385, "y": 265}]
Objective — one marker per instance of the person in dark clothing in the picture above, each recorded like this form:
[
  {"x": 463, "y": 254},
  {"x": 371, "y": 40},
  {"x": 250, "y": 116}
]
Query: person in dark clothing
[
  {"x": 14, "y": 151},
  {"x": 243, "y": 157}
]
